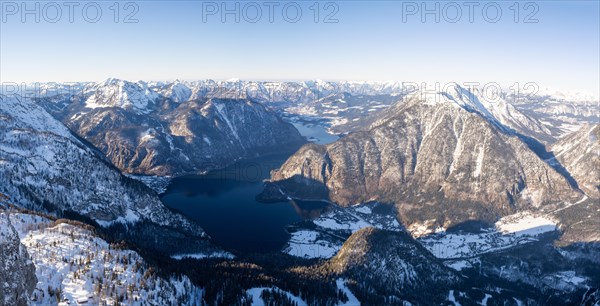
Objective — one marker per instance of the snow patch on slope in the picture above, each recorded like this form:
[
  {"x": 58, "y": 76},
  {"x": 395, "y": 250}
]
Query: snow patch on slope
[
  {"x": 352, "y": 300},
  {"x": 258, "y": 301}
]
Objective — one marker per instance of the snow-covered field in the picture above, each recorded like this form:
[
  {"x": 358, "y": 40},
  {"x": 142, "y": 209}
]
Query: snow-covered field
[
  {"x": 526, "y": 224},
  {"x": 459, "y": 250},
  {"x": 74, "y": 266},
  {"x": 332, "y": 229},
  {"x": 565, "y": 281},
  {"x": 509, "y": 231},
  {"x": 354, "y": 218},
  {"x": 311, "y": 244}
]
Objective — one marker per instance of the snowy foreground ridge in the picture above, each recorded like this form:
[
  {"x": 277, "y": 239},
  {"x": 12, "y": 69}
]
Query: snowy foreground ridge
[{"x": 74, "y": 266}]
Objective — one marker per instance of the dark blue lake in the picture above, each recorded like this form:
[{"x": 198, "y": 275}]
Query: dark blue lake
[{"x": 223, "y": 203}]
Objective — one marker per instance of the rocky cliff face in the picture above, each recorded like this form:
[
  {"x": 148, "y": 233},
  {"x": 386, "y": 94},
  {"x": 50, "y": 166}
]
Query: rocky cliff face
[
  {"x": 579, "y": 153},
  {"x": 17, "y": 272},
  {"x": 441, "y": 159}
]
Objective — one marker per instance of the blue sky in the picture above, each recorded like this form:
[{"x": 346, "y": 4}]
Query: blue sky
[{"x": 370, "y": 41}]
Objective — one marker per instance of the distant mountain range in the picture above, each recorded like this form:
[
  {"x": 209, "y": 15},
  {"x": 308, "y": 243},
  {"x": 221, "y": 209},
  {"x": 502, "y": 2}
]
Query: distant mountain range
[{"x": 557, "y": 111}]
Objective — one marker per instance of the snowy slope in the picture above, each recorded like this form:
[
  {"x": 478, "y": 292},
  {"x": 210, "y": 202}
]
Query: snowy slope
[
  {"x": 255, "y": 294},
  {"x": 25, "y": 115},
  {"x": 74, "y": 266},
  {"x": 45, "y": 168},
  {"x": 40, "y": 155}
]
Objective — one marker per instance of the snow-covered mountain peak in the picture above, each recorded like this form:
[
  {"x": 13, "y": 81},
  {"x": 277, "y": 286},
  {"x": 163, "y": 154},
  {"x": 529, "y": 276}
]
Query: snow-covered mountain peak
[
  {"x": 111, "y": 81},
  {"x": 120, "y": 93},
  {"x": 453, "y": 94},
  {"x": 490, "y": 105},
  {"x": 460, "y": 95},
  {"x": 177, "y": 91}
]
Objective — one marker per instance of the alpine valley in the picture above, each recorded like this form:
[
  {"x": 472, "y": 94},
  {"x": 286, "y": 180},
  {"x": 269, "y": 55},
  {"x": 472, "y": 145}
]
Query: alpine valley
[{"x": 297, "y": 193}]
